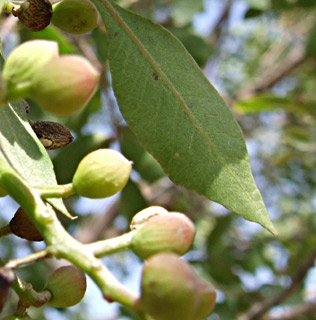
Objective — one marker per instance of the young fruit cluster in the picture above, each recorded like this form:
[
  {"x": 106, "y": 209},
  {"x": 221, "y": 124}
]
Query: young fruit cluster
[
  {"x": 170, "y": 288},
  {"x": 62, "y": 85}
]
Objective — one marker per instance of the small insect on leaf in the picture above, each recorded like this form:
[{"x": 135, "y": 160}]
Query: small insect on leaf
[{"x": 52, "y": 135}]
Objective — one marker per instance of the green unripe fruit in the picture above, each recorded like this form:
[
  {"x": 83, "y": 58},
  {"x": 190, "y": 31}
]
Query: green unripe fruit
[
  {"x": 171, "y": 232},
  {"x": 67, "y": 286},
  {"x": 75, "y": 16},
  {"x": 65, "y": 85},
  {"x": 168, "y": 288},
  {"x": 171, "y": 290},
  {"x": 141, "y": 217},
  {"x": 23, "y": 63},
  {"x": 206, "y": 300},
  {"x": 101, "y": 173}
]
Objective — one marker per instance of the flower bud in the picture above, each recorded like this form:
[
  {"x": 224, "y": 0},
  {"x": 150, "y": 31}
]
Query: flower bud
[
  {"x": 67, "y": 286},
  {"x": 75, "y": 16},
  {"x": 22, "y": 226},
  {"x": 101, "y": 173},
  {"x": 65, "y": 85},
  {"x": 143, "y": 216},
  {"x": 170, "y": 289},
  {"x": 23, "y": 63},
  {"x": 34, "y": 14},
  {"x": 171, "y": 232}
]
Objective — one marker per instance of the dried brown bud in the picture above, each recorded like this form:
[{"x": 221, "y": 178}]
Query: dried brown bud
[
  {"x": 22, "y": 226},
  {"x": 52, "y": 135},
  {"x": 34, "y": 14}
]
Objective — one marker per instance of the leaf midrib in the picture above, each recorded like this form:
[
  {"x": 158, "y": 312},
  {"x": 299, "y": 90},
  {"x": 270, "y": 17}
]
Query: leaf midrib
[{"x": 176, "y": 94}]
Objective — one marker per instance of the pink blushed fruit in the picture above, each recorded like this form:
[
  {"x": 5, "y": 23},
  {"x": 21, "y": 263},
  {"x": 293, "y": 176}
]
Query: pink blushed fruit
[
  {"x": 171, "y": 232},
  {"x": 65, "y": 85}
]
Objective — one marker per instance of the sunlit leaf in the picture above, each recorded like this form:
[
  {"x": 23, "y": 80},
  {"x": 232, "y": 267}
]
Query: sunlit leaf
[{"x": 178, "y": 115}]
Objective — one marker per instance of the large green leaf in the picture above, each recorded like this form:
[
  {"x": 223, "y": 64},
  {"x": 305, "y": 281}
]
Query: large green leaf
[
  {"x": 177, "y": 114},
  {"x": 24, "y": 152}
]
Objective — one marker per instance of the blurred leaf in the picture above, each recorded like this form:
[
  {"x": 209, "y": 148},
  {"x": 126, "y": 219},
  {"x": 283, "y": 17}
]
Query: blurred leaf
[
  {"x": 311, "y": 43},
  {"x": 253, "y": 13},
  {"x": 131, "y": 200},
  {"x": 100, "y": 45},
  {"x": 178, "y": 115},
  {"x": 24, "y": 151},
  {"x": 182, "y": 11},
  {"x": 196, "y": 45},
  {"x": 53, "y": 34},
  {"x": 259, "y": 4},
  {"x": 262, "y": 103},
  {"x": 68, "y": 158},
  {"x": 143, "y": 162}
]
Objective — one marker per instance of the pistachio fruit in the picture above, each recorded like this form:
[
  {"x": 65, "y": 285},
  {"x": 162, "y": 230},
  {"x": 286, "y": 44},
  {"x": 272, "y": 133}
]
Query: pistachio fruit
[
  {"x": 67, "y": 286},
  {"x": 22, "y": 226},
  {"x": 141, "y": 217},
  {"x": 34, "y": 14},
  {"x": 65, "y": 85},
  {"x": 206, "y": 300},
  {"x": 23, "y": 63},
  {"x": 75, "y": 16},
  {"x": 101, "y": 173},
  {"x": 171, "y": 232},
  {"x": 171, "y": 290}
]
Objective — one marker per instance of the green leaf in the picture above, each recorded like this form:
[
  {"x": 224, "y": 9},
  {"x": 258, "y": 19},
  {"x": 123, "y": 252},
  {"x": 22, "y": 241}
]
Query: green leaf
[
  {"x": 260, "y": 103},
  {"x": 143, "y": 162},
  {"x": 24, "y": 152},
  {"x": 177, "y": 114}
]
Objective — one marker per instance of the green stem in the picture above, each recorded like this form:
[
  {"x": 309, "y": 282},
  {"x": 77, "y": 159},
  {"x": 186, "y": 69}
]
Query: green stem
[
  {"x": 28, "y": 296},
  {"x": 4, "y": 231},
  {"x": 34, "y": 257},
  {"x": 106, "y": 247},
  {"x": 61, "y": 191}
]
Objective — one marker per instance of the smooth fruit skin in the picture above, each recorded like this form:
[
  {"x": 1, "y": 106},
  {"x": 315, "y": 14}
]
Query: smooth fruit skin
[
  {"x": 23, "y": 63},
  {"x": 65, "y": 85},
  {"x": 67, "y": 286},
  {"x": 171, "y": 232},
  {"x": 171, "y": 290},
  {"x": 101, "y": 173},
  {"x": 75, "y": 16},
  {"x": 168, "y": 288}
]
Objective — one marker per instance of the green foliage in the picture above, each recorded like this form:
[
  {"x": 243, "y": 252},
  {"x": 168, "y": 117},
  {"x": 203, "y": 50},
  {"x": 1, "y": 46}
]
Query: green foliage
[{"x": 263, "y": 65}]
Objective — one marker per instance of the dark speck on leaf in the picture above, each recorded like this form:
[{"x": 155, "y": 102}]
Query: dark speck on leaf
[
  {"x": 155, "y": 76},
  {"x": 115, "y": 35}
]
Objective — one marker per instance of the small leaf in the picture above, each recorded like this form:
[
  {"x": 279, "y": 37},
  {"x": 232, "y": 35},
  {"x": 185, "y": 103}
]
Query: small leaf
[
  {"x": 177, "y": 114},
  {"x": 24, "y": 152}
]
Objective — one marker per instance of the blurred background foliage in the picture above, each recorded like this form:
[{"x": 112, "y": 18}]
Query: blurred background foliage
[{"x": 261, "y": 56}]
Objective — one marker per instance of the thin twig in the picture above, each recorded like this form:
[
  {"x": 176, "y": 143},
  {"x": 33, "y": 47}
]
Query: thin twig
[{"x": 257, "y": 312}]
